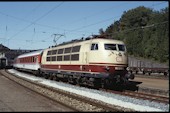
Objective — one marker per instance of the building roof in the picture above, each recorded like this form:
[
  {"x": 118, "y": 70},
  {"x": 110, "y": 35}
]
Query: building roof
[{"x": 3, "y": 48}]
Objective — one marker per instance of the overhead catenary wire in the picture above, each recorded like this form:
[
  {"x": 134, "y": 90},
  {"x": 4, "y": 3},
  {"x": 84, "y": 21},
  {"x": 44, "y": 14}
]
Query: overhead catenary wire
[
  {"x": 62, "y": 25},
  {"x": 53, "y": 27},
  {"x": 127, "y": 30},
  {"x": 104, "y": 20},
  {"x": 35, "y": 21},
  {"x": 31, "y": 13},
  {"x": 142, "y": 27},
  {"x": 135, "y": 28},
  {"x": 94, "y": 14},
  {"x": 74, "y": 30}
]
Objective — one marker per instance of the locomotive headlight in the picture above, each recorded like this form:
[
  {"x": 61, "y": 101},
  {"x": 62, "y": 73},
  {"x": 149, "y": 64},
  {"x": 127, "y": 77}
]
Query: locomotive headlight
[
  {"x": 127, "y": 68},
  {"x": 119, "y": 59}
]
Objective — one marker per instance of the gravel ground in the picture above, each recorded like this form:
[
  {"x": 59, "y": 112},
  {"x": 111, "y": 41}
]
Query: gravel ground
[{"x": 114, "y": 99}]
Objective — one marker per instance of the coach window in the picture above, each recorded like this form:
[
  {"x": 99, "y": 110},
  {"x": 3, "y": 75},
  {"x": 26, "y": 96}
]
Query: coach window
[
  {"x": 33, "y": 59},
  {"x": 94, "y": 47},
  {"x": 60, "y": 51},
  {"x": 76, "y": 49}
]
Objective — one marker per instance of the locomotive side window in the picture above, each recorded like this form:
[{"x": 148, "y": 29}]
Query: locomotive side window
[
  {"x": 49, "y": 53},
  {"x": 110, "y": 46},
  {"x": 60, "y": 51},
  {"x": 66, "y": 57},
  {"x": 59, "y": 58},
  {"x": 47, "y": 58},
  {"x": 94, "y": 47},
  {"x": 54, "y": 52},
  {"x": 67, "y": 50},
  {"x": 121, "y": 47},
  {"x": 75, "y": 57},
  {"x": 76, "y": 49},
  {"x": 53, "y": 58}
]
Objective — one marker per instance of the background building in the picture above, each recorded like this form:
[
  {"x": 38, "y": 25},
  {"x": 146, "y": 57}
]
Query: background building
[{"x": 11, "y": 54}]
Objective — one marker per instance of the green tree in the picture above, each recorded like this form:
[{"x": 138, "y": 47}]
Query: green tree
[{"x": 144, "y": 31}]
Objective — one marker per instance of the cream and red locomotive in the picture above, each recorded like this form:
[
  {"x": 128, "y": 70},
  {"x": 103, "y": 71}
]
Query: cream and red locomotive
[{"x": 93, "y": 61}]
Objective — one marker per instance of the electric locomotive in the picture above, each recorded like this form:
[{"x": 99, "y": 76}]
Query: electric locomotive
[{"x": 94, "y": 61}]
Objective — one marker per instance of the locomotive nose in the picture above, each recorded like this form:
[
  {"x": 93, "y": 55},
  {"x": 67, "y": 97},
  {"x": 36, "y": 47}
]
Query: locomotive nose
[{"x": 119, "y": 54}]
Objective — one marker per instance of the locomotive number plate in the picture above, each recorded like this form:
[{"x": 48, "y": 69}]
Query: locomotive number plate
[{"x": 119, "y": 59}]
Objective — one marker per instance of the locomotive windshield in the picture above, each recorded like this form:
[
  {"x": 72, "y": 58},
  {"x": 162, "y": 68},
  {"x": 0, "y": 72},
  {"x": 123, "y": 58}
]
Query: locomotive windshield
[
  {"x": 120, "y": 47},
  {"x": 110, "y": 46}
]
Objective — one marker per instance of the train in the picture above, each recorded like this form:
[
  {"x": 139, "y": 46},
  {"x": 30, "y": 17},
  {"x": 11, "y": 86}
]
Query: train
[
  {"x": 3, "y": 62},
  {"x": 93, "y": 61},
  {"x": 137, "y": 65}
]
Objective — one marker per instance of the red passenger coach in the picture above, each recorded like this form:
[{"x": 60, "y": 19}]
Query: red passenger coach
[{"x": 29, "y": 62}]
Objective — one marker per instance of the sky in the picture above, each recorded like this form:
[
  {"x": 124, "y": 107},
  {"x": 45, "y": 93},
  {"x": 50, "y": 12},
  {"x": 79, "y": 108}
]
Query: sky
[{"x": 38, "y": 25}]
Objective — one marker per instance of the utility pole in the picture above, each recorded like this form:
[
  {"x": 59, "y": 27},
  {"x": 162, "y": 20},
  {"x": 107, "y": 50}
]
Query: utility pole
[{"x": 56, "y": 38}]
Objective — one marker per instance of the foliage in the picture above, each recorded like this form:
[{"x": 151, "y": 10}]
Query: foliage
[{"x": 144, "y": 31}]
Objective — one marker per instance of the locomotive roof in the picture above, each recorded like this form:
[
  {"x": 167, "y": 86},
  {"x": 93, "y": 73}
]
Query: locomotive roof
[
  {"x": 30, "y": 54},
  {"x": 87, "y": 39}
]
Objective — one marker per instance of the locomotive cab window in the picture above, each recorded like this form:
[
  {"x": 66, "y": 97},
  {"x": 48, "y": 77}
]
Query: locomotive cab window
[
  {"x": 94, "y": 47},
  {"x": 121, "y": 47},
  {"x": 110, "y": 46}
]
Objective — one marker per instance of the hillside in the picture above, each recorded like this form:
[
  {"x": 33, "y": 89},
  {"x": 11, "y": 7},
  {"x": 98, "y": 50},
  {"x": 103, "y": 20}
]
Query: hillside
[{"x": 144, "y": 31}]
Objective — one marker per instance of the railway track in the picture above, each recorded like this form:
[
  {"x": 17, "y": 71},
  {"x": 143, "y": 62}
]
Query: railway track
[
  {"x": 32, "y": 86},
  {"x": 140, "y": 95},
  {"x": 72, "y": 101},
  {"x": 156, "y": 98},
  {"x": 153, "y": 76}
]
